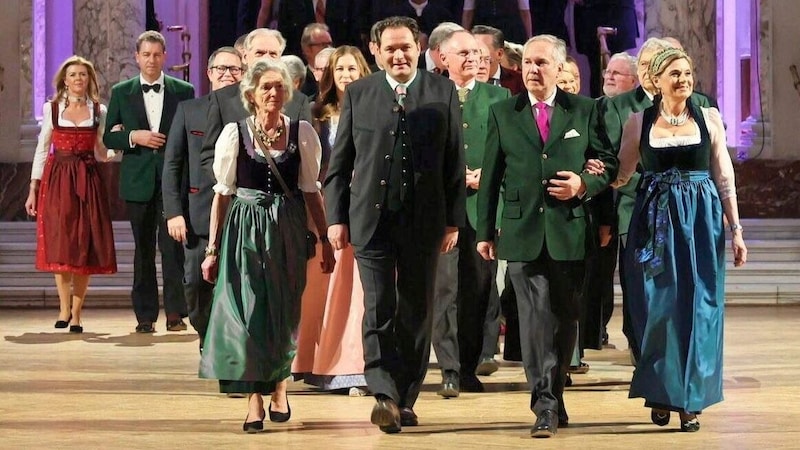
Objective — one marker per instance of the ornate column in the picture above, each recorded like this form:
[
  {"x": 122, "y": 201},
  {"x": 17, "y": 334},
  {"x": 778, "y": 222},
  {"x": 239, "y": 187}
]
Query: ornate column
[
  {"x": 105, "y": 33},
  {"x": 694, "y": 24},
  {"x": 756, "y": 129}
]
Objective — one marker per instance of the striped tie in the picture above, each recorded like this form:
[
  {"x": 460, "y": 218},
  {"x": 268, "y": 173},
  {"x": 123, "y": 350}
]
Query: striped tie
[{"x": 319, "y": 11}]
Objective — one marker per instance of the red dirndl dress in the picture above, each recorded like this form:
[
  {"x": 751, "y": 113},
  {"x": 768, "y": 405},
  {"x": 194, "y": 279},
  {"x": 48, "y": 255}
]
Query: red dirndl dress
[{"x": 73, "y": 224}]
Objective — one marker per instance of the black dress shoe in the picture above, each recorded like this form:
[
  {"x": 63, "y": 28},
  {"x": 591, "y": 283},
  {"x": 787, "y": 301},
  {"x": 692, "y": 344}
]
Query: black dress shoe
[
  {"x": 386, "y": 415},
  {"x": 546, "y": 424},
  {"x": 659, "y": 417},
  {"x": 470, "y": 383},
  {"x": 254, "y": 426},
  {"x": 145, "y": 327},
  {"x": 75, "y": 329},
  {"x": 450, "y": 387},
  {"x": 563, "y": 418},
  {"x": 690, "y": 425},
  {"x": 275, "y": 416},
  {"x": 408, "y": 418}
]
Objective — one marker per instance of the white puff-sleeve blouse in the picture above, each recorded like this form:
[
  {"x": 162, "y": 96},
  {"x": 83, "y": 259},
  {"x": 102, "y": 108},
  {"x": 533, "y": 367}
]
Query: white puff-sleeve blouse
[
  {"x": 226, "y": 151},
  {"x": 46, "y": 133}
]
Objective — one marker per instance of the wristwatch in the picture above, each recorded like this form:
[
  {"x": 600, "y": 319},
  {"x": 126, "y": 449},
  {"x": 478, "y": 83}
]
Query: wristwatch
[
  {"x": 211, "y": 250},
  {"x": 736, "y": 226}
]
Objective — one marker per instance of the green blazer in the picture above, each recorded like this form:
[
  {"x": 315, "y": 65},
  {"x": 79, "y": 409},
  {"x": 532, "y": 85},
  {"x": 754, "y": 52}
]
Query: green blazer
[
  {"x": 475, "y": 113},
  {"x": 614, "y": 113},
  {"x": 141, "y": 167},
  {"x": 516, "y": 155}
]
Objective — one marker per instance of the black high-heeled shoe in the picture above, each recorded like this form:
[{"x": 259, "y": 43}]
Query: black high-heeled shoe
[
  {"x": 255, "y": 426},
  {"x": 275, "y": 416},
  {"x": 63, "y": 323},
  {"x": 690, "y": 425},
  {"x": 659, "y": 417},
  {"x": 75, "y": 329}
]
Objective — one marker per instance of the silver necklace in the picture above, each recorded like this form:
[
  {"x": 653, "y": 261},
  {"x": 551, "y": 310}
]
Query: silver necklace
[{"x": 675, "y": 121}]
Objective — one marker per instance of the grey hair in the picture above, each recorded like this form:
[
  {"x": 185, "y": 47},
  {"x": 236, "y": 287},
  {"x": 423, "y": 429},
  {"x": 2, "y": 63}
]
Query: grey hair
[
  {"x": 442, "y": 31},
  {"x": 248, "y": 43},
  {"x": 629, "y": 60},
  {"x": 297, "y": 70},
  {"x": 254, "y": 74},
  {"x": 559, "y": 46},
  {"x": 653, "y": 44}
]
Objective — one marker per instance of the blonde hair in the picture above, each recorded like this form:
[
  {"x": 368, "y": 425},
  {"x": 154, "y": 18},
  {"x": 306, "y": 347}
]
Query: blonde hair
[
  {"x": 59, "y": 81},
  {"x": 664, "y": 58}
]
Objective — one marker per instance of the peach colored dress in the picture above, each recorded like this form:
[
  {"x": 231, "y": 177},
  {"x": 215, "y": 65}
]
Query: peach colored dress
[{"x": 330, "y": 351}]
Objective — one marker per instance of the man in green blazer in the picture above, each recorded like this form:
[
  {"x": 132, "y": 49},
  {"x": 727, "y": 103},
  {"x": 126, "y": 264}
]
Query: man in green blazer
[
  {"x": 614, "y": 112},
  {"x": 139, "y": 115},
  {"x": 464, "y": 280},
  {"x": 537, "y": 145}
]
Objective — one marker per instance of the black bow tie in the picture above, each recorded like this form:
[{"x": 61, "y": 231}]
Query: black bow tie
[{"x": 156, "y": 87}]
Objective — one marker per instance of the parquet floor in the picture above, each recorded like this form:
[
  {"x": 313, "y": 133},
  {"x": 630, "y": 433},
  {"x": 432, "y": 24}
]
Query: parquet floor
[{"x": 110, "y": 388}]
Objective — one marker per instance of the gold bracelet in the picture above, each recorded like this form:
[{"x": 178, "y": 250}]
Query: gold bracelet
[{"x": 211, "y": 250}]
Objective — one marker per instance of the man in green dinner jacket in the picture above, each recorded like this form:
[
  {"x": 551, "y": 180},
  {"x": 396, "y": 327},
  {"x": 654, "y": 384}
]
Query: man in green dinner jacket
[
  {"x": 463, "y": 279},
  {"x": 537, "y": 145},
  {"x": 139, "y": 115}
]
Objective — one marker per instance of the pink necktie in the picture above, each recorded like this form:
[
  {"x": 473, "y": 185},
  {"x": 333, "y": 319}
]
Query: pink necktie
[{"x": 542, "y": 121}]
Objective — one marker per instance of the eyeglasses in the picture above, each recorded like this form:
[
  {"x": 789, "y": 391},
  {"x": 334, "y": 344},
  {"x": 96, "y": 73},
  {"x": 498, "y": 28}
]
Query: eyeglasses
[
  {"x": 614, "y": 74},
  {"x": 220, "y": 70}
]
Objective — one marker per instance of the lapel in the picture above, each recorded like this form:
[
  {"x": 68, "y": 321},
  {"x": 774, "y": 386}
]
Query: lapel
[
  {"x": 136, "y": 102},
  {"x": 525, "y": 122},
  {"x": 169, "y": 107},
  {"x": 559, "y": 119}
]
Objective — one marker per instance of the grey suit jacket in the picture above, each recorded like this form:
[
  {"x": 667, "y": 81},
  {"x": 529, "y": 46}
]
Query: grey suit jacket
[{"x": 185, "y": 187}]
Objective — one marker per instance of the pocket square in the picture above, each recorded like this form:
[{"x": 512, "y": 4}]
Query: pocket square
[
  {"x": 571, "y": 134},
  {"x": 197, "y": 133}
]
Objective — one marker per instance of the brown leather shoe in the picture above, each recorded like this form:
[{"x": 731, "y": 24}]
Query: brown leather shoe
[
  {"x": 386, "y": 415},
  {"x": 176, "y": 325}
]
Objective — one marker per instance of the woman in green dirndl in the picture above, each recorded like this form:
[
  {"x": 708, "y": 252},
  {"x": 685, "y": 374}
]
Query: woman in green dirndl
[{"x": 266, "y": 168}]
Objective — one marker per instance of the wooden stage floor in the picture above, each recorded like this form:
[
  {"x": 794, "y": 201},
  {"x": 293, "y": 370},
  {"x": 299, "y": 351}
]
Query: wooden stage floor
[{"x": 111, "y": 388}]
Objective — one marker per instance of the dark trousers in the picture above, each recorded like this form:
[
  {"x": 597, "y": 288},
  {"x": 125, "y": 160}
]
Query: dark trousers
[
  {"x": 475, "y": 281},
  {"x": 548, "y": 301},
  {"x": 508, "y": 306},
  {"x": 464, "y": 285},
  {"x": 198, "y": 292},
  {"x": 397, "y": 275},
  {"x": 444, "y": 333},
  {"x": 599, "y": 295},
  {"x": 627, "y": 324},
  {"x": 147, "y": 223}
]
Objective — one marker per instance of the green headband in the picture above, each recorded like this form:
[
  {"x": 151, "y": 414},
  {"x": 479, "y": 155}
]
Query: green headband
[{"x": 663, "y": 58}]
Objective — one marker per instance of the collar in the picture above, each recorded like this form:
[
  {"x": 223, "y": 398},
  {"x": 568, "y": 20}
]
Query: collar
[
  {"x": 496, "y": 75},
  {"x": 418, "y": 7},
  {"x": 393, "y": 83},
  {"x": 470, "y": 85},
  {"x": 648, "y": 94},
  {"x": 160, "y": 80},
  {"x": 429, "y": 64},
  {"x": 549, "y": 101}
]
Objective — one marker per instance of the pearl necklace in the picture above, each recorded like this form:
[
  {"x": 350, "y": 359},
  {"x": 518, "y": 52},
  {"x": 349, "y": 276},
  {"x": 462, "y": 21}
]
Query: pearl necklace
[{"x": 675, "y": 121}]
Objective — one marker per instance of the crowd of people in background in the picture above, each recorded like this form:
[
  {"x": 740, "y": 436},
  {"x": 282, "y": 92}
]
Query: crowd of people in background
[{"x": 370, "y": 179}]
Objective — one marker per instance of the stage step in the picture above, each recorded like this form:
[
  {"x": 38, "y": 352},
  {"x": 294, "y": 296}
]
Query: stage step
[{"x": 771, "y": 276}]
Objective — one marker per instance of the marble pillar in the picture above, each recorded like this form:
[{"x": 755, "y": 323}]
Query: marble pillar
[
  {"x": 694, "y": 23},
  {"x": 756, "y": 129},
  {"x": 105, "y": 33}
]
